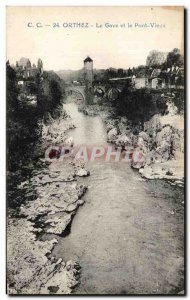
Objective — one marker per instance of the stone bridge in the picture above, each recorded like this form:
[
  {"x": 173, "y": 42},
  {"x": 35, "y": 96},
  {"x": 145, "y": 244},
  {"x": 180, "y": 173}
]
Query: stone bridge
[
  {"x": 78, "y": 91},
  {"x": 111, "y": 90}
]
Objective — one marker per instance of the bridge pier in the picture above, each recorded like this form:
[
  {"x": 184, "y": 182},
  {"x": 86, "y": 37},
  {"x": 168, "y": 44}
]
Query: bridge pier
[{"x": 88, "y": 94}]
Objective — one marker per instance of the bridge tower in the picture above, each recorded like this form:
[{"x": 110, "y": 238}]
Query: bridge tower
[
  {"x": 88, "y": 70},
  {"x": 88, "y": 78}
]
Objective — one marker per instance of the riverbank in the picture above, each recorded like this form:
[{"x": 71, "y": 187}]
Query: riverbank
[
  {"x": 128, "y": 237},
  {"x": 52, "y": 197},
  {"x": 111, "y": 232},
  {"x": 158, "y": 144}
]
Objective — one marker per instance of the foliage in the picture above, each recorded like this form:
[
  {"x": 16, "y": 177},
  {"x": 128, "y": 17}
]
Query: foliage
[
  {"x": 174, "y": 58},
  {"x": 140, "y": 71},
  {"x": 51, "y": 93},
  {"x": 139, "y": 105},
  {"x": 11, "y": 91},
  {"x": 178, "y": 100},
  {"x": 24, "y": 119},
  {"x": 156, "y": 58}
]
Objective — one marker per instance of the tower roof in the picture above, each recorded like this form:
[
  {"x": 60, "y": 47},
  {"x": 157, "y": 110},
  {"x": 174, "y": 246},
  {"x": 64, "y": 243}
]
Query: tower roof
[
  {"x": 88, "y": 59},
  {"x": 23, "y": 62}
]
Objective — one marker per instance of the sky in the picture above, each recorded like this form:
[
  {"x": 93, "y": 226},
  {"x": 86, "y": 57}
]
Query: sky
[{"x": 66, "y": 47}]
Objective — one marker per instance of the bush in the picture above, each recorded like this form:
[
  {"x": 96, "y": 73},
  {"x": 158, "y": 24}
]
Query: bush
[
  {"x": 137, "y": 105},
  {"x": 178, "y": 100},
  {"x": 23, "y": 120},
  {"x": 51, "y": 94}
]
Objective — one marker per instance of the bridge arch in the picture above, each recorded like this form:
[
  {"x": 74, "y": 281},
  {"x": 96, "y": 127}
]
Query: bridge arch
[
  {"x": 77, "y": 90},
  {"x": 113, "y": 93}
]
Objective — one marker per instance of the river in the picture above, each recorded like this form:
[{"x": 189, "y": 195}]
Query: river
[{"x": 128, "y": 235}]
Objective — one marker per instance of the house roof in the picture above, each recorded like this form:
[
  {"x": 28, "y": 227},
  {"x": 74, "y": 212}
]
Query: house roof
[
  {"x": 88, "y": 59},
  {"x": 175, "y": 71},
  {"x": 156, "y": 72},
  {"x": 120, "y": 78}
]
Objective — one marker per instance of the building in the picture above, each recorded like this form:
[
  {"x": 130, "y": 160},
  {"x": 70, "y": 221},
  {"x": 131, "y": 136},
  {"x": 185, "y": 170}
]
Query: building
[
  {"x": 88, "y": 71},
  {"x": 26, "y": 70},
  {"x": 140, "y": 82},
  {"x": 167, "y": 78},
  {"x": 156, "y": 80},
  {"x": 175, "y": 77},
  {"x": 40, "y": 66}
]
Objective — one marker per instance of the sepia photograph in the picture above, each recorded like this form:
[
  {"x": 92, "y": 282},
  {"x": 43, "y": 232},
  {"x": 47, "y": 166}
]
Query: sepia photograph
[{"x": 95, "y": 105}]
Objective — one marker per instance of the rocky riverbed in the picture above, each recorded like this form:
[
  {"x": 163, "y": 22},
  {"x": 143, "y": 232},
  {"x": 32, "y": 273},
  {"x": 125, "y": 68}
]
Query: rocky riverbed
[
  {"x": 128, "y": 237},
  {"x": 158, "y": 144},
  {"x": 56, "y": 195},
  {"x": 53, "y": 195}
]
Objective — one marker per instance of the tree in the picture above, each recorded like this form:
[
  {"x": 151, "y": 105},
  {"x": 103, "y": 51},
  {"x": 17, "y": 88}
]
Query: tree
[
  {"x": 55, "y": 92},
  {"x": 130, "y": 72},
  {"x": 135, "y": 104},
  {"x": 156, "y": 58},
  {"x": 11, "y": 89},
  {"x": 120, "y": 73},
  {"x": 174, "y": 58},
  {"x": 140, "y": 71},
  {"x": 139, "y": 105}
]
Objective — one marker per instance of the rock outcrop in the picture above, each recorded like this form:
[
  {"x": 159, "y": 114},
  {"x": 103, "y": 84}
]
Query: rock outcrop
[
  {"x": 158, "y": 150},
  {"x": 54, "y": 199},
  {"x": 30, "y": 271},
  {"x": 55, "y": 196}
]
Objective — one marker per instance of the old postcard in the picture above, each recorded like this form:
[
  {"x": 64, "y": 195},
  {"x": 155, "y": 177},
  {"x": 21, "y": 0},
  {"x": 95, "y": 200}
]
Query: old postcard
[{"x": 95, "y": 150}]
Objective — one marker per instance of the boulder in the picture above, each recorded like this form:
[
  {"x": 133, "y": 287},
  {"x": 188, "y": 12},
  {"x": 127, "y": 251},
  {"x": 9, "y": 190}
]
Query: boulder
[
  {"x": 164, "y": 134},
  {"x": 112, "y": 135},
  {"x": 82, "y": 172},
  {"x": 138, "y": 158},
  {"x": 123, "y": 140},
  {"x": 145, "y": 137},
  {"x": 163, "y": 152},
  {"x": 158, "y": 171},
  {"x": 58, "y": 224}
]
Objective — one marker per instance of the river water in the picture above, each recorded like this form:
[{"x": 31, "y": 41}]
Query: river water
[{"x": 128, "y": 235}]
